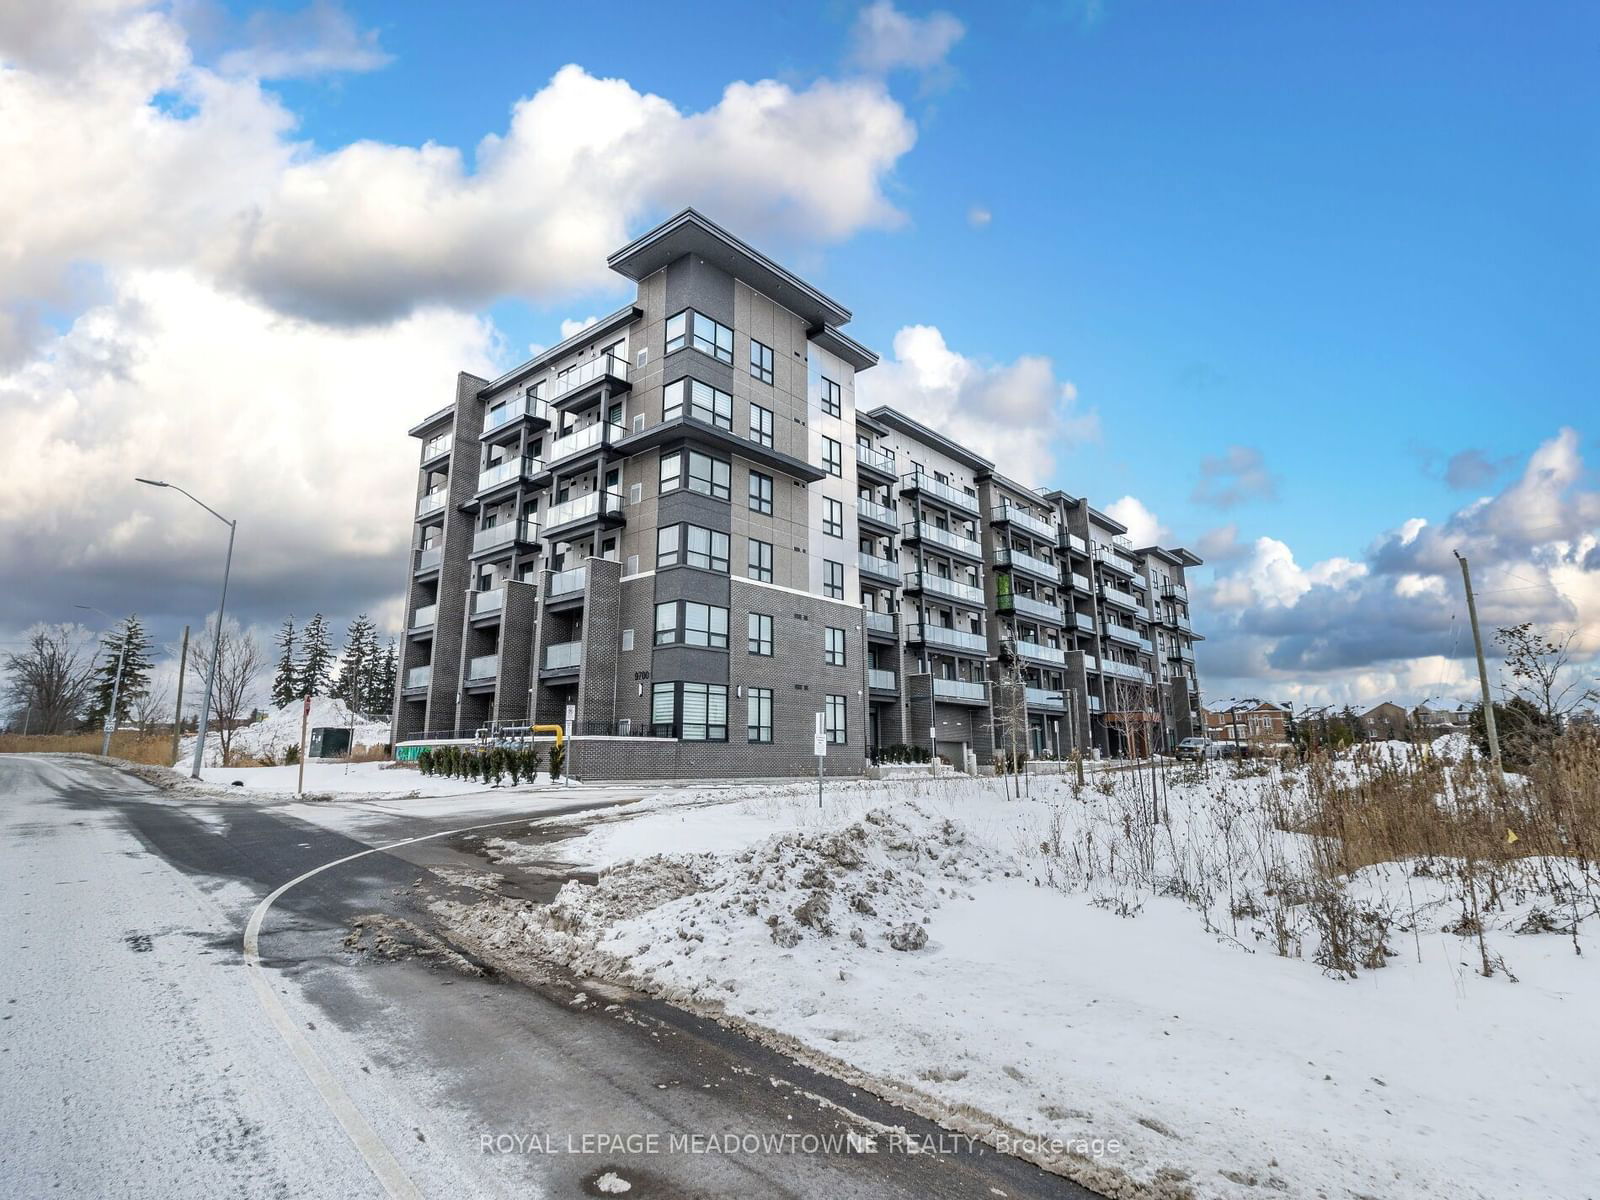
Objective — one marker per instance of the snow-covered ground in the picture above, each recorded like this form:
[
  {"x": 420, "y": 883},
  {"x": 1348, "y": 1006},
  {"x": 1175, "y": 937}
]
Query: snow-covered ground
[
  {"x": 369, "y": 780},
  {"x": 271, "y": 738},
  {"x": 1070, "y": 974}
]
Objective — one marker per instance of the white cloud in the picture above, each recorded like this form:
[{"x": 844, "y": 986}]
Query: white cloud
[
  {"x": 317, "y": 40},
  {"x": 1018, "y": 414},
  {"x": 1234, "y": 478},
  {"x": 572, "y": 326},
  {"x": 1144, "y": 528},
  {"x": 886, "y": 39}
]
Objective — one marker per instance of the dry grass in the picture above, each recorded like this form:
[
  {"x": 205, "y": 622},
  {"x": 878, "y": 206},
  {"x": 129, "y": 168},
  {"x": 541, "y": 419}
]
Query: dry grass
[{"x": 153, "y": 750}]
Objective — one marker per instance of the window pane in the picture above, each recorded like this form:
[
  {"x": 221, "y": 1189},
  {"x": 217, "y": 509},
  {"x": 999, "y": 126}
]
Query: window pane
[
  {"x": 672, "y": 400},
  {"x": 675, "y": 329},
  {"x": 662, "y": 698},
  {"x": 667, "y": 546}
]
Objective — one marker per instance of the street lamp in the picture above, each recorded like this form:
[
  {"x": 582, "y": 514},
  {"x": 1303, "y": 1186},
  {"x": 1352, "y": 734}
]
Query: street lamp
[
  {"x": 216, "y": 644},
  {"x": 116, "y": 683}
]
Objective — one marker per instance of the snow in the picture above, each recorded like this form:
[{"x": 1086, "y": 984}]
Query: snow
[
  {"x": 268, "y": 740},
  {"x": 338, "y": 779},
  {"x": 1079, "y": 983}
]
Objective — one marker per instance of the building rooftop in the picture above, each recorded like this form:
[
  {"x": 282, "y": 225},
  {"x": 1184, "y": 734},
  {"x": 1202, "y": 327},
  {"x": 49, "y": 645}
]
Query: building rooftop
[{"x": 897, "y": 420}]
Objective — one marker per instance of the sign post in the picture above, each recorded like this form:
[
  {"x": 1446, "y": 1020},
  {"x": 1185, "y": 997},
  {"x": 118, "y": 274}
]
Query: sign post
[
  {"x": 933, "y": 749},
  {"x": 566, "y": 767},
  {"x": 819, "y": 747},
  {"x": 305, "y": 718}
]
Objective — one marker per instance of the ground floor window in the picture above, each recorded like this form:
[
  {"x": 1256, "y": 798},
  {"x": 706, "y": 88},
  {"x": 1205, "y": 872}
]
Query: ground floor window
[
  {"x": 697, "y": 712},
  {"x": 833, "y": 723},
  {"x": 758, "y": 709}
]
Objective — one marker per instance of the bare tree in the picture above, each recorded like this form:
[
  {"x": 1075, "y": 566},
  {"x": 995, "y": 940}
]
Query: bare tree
[
  {"x": 50, "y": 680},
  {"x": 1010, "y": 707},
  {"x": 241, "y": 665},
  {"x": 152, "y": 707},
  {"x": 1543, "y": 673}
]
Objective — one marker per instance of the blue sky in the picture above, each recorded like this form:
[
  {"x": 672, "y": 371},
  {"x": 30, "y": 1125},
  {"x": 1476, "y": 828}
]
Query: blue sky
[{"x": 1310, "y": 288}]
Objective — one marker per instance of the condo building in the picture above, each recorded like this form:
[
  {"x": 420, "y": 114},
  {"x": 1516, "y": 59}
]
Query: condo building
[{"x": 676, "y": 534}]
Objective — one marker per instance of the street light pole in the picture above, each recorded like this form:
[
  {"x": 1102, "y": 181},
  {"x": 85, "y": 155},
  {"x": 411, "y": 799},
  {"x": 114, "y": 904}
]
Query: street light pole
[
  {"x": 216, "y": 641},
  {"x": 110, "y": 722}
]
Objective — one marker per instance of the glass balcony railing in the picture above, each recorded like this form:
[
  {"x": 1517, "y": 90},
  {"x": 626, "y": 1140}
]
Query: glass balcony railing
[
  {"x": 958, "y": 689},
  {"x": 1117, "y": 596},
  {"x": 505, "y": 472},
  {"x": 879, "y": 622},
  {"x": 595, "y": 504},
  {"x": 1083, "y": 621},
  {"x": 1045, "y": 698},
  {"x": 1123, "y": 670},
  {"x": 1115, "y": 558},
  {"x": 503, "y": 534},
  {"x": 938, "y": 585},
  {"x": 882, "y": 680},
  {"x": 883, "y": 514},
  {"x": 1091, "y": 663},
  {"x": 1034, "y": 652},
  {"x": 485, "y": 666},
  {"x": 1023, "y": 519},
  {"x": 950, "y": 639},
  {"x": 1094, "y": 703},
  {"x": 599, "y": 434},
  {"x": 1027, "y": 606},
  {"x": 566, "y": 583},
  {"x": 944, "y": 538},
  {"x": 1147, "y": 645},
  {"x": 418, "y": 677},
  {"x": 429, "y": 557},
  {"x": 502, "y": 415},
  {"x": 431, "y": 502},
  {"x": 1020, "y": 560},
  {"x": 490, "y": 601},
  {"x": 563, "y": 655},
  {"x": 1175, "y": 591},
  {"x": 606, "y": 366},
  {"x": 878, "y": 460},
  {"x": 1121, "y": 633},
  {"x": 1077, "y": 544},
  {"x": 951, "y": 497},
  {"x": 884, "y": 568},
  {"x": 424, "y": 617},
  {"x": 1081, "y": 583},
  {"x": 436, "y": 446}
]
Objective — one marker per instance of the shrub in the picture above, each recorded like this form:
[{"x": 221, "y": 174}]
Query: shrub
[
  {"x": 291, "y": 756},
  {"x": 513, "y": 765},
  {"x": 558, "y": 759},
  {"x": 425, "y": 761},
  {"x": 530, "y": 762}
]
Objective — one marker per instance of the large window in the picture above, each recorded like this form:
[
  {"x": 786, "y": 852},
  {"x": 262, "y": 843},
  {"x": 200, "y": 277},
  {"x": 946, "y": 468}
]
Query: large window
[
  {"x": 832, "y": 579},
  {"x": 677, "y": 331},
  {"x": 698, "y": 712},
  {"x": 832, "y": 456},
  {"x": 833, "y": 646},
  {"x": 698, "y": 472},
  {"x": 760, "y": 361},
  {"x": 832, "y": 517},
  {"x": 761, "y": 634},
  {"x": 707, "y": 549},
  {"x": 700, "y": 400},
  {"x": 687, "y": 623},
  {"x": 667, "y": 546},
  {"x": 760, "y": 493},
  {"x": 713, "y": 338},
  {"x": 758, "y": 714},
  {"x": 833, "y": 722},
  {"x": 761, "y": 425},
  {"x": 760, "y": 560},
  {"x": 832, "y": 403}
]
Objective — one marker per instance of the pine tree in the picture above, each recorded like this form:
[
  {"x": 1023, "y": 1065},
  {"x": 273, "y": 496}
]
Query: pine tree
[
  {"x": 380, "y": 682},
  {"x": 135, "y": 671},
  {"x": 356, "y": 664},
  {"x": 286, "y": 680},
  {"x": 316, "y": 658}
]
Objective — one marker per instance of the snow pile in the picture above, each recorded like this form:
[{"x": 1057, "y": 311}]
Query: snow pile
[
  {"x": 271, "y": 738},
  {"x": 1453, "y": 747}
]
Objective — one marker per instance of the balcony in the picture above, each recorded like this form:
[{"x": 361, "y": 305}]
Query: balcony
[
  {"x": 503, "y": 417},
  {"x": 885, "y": 516},
  {"x": 1072, "y": 542},
  {"x": 950, "y": 589},
  {"x": 1021, "y": 518},
  {"x": 1082, "y": 621},
  {"x": 437, "y": 447},
  {"x": 564, "y": 585},
  {"x": 428, "y": 558},
  {"x": 1181, "y": 654},
  {"x": 563, "y": 656},
  {"x": 1116, "y": 559},
  {"x": 483, "y": 668},
  {"x": 1011, "y": 559},
  {"x": 1113, "y": 595},
  {"x": 881, "y": 681},
  {"x": 1121, "y": 633},
  {"x": 881, "y": 625},
  {"x": 1147, "y": 646},
  {"x": 941, "y": 493},
  {"x": 954, "y": 543},
  {"x": 1126, "y": 671},
  {"x": 1034, "y": 652},
  {"x": 512, "y": 470},
  {"x": 959, "y": 691},
  {"x": 1094, "y": 704},
  {"x": 885, "y": 570},
  {"x": 432, "y": 502},
  {"x": 608, "y": 368},
  {"x": 488, "y": 602},
  {"x": 425, "y": 616},
  {"x": 1080, "y": 583},
  {"x": 419, "y": 677},
  {"x": 958, "y": 640},
  {"x": 1091, "y": 663},
  {"x": 878, "y": 462},
  {"x": 1052, "y": 699},
  {"x": 1027, "y": 606},
  {"x": 582, "y": 441},
  {"x": 1175, "y": 591},
  {"x": 506, "y": 533},
  {"x": 596, "y": 506}
]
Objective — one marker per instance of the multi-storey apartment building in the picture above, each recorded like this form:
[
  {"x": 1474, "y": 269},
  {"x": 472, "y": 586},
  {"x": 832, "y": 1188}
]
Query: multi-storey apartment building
[{"x": 677, "y": 527}]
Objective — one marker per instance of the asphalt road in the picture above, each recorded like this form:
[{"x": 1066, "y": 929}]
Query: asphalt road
[{"x": 139, "y": 1061}]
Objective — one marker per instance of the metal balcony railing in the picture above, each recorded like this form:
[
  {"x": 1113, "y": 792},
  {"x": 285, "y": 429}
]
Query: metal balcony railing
[
  {"x": 951, "y": 639},
  {"x": 958, "y": 689},
  {"x": 424, "y": 616},
  {"x": 563, "y": 655},
  {"x": 431, "y": 502},
  {"x": 418, "y": 677},
  {"x": 883, "y": 680},
  {"x": 490, "y": 601},
  {"x": 566, "y": 583},
  {"x": 584, "y": 507},
  {"x": 1008, "y": 513},
  {"x": 949, "y": 540},
  {"x": 938, "y": 585},
  {"x": 485, "y": 666},
  {"x": 607, "y": 365},
  {"x": 951, "y": 497}
]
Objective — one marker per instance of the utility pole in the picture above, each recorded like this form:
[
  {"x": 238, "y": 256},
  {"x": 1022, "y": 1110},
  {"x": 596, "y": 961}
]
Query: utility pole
[
  {"x": 1483, "y": 670},
  {"x": 177, "y": 715}
]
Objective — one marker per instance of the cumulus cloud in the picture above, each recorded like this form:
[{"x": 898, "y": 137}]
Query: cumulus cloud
[
  {"x": 1345, "y": 629},
  {"x": 1234, "y": 478},
  {"x": 885, "y": 39},
  {"x": 1144, "y": 528},
  {"x": 1018, "y": 414},
  {"x": 140, "y": 157},
  {"x": 1470, "y": 469},
  {"x": 319, "y": 39}
]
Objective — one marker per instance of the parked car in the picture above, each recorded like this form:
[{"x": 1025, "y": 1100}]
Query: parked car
[{"x": 1197, "y": 748}]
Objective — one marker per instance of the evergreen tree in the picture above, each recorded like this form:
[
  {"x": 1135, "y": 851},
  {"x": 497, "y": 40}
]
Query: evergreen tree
[
  {"x": 135, "y": 671},
  {"x": 286, "y": 680},
  {"x": 316, "y": 658},
  {"x": 377, "y": 687},
  {"x": 356, "y": 665}
]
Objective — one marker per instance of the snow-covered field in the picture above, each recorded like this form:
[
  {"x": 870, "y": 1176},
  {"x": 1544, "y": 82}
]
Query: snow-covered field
[
  {"x": 1138, "y": 1004},
  {"x": 270, "y": 739}
]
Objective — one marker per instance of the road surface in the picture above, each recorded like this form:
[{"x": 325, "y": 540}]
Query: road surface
[{"x": 140, "y": 1060}]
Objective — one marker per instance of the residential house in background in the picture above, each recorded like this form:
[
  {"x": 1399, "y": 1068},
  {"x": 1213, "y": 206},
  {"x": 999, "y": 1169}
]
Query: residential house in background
[
  {"x": 1253, "y": 721},
  {"x": 1385, "y": 722}
]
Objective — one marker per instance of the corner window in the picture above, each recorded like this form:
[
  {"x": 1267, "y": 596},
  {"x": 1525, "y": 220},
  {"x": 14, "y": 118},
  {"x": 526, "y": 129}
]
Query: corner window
[
  {"x": 832, "y": 398},
  {"x": 699, "y": 400},
  {"x": 833, "y": 646},
  {"x": 713, "y": 338},
  {"x": 758, "y": 714},
  {"x": 760, "y": 361},
  {"x": 833, "y": 720},
  {"x": 687, "y": 623},
  {"x": 698, "y": 472},
  {"x": 697, "y": 712},
  {"x": 667, "y": 546},
  {"x": 707, "y": 549},
  {"x": 761, "y": 634},
  {"x": 760, "y": 561},
  {"x": 760, "y": 493}
]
